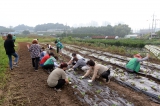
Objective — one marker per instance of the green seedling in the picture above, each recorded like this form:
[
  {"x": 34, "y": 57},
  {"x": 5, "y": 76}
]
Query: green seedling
[
  {"x": 133, "y": 84},
  {"x": 83, "y": 93},
  {"x": 114, "y": 105},
  {"x": 157, "y": 76},
  {"x": 69, "y": 79},
  {"x": 80, "y": 77},
  {"x": 100, "y": 83},
  {"x": 95, "y": 105},
  {"x": 75, "y": 73},
  {"x": 90, "y": 84},
  {"x": 75, "y": 86},
  {"x": 141, "y": 82},
  {"x": 98, "y": 91},
  {"x": 153, "y": 87},
  {"x": 123, "y": 79},
  {"x": 151, "y": 80},
  {"x": 145, "y": 89},
  {"x": 159, "y": 96}
]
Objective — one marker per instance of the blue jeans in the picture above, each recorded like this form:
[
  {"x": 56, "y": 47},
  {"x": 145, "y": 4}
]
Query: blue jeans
[{"x": 10, "y": 59}]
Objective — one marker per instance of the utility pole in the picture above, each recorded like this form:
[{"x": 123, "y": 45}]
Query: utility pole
[
  {"x": 152, "y": 26},
  {"x": 66, "y": 29}
]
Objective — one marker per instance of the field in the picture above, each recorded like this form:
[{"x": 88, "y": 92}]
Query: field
[{"x": 25, "y": 87}]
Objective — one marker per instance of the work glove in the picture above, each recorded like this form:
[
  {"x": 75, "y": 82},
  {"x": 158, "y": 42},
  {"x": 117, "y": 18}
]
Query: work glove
[
  {"x": 69, "y": 82},
  {"x": 89, "y": 81}
]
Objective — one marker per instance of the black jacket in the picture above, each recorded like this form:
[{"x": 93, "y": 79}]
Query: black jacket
[{"x": 9, "y": 46}]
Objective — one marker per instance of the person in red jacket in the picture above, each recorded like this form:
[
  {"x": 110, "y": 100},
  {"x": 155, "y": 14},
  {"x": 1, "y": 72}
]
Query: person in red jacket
[{"x": 43, "y": 60}]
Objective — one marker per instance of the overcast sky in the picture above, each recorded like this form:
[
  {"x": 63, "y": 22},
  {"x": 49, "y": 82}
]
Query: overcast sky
[{"x": 135, "y": 13}]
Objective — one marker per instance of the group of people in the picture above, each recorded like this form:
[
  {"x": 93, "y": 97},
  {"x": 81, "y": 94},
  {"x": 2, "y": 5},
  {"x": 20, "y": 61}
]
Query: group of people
[{"x": 57, "y": 77}]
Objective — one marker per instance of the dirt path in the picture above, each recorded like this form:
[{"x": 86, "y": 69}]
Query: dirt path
[{"x": 29, "y": 88}]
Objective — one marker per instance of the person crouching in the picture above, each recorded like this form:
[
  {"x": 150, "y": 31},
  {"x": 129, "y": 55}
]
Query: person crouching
[
  {"x": 58, "y": 78},
  {"x": 99, "y": 70}
]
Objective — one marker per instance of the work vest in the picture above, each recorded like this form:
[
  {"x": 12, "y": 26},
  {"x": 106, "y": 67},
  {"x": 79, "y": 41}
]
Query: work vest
[{"x": 133, "y": 64}]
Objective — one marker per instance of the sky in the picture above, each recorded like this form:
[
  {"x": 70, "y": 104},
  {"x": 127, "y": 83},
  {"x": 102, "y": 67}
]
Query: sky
[{"x": 138, "y": 14}]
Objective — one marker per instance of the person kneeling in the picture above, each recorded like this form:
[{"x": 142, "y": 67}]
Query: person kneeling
[
  {"x": 58, "y": 78},
  {"x": 99, "y": 70}
]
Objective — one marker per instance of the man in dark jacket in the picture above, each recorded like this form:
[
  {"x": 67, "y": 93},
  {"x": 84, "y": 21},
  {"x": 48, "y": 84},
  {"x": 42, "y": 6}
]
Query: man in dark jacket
[{"x": 10, "y": 51}]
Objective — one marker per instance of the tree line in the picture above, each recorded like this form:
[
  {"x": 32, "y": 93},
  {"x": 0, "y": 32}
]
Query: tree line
[{"x": 118, "y": 30}]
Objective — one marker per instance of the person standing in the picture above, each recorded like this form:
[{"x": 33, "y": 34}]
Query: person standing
[
  {"x": 58, "y": 77},
  {"x": 59, "y": 46},
  {"x": 35, "y": 50},
  {"x": 10, "y": 51}
]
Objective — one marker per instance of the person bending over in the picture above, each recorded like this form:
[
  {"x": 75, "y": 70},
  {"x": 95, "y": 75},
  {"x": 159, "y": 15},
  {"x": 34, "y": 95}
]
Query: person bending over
[
  {"x": 44, "y": 59},
  {"x": 50, "y": 64},
  {"x": 43, "y": 53},
  {"x": 80, "y": 63},
  {"x": 49, "y": 47},
  {"x": 58, "y": 77},
  {"x": 134, "y": 64},
  {"x": 74, "y": 55},
  {"x": 98, "y": 70}
]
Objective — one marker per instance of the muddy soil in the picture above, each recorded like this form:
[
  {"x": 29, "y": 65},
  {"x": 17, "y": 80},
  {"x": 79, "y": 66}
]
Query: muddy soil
[
  {"x": 137, "y": 98},
  {"x": 29, "y": 88}
]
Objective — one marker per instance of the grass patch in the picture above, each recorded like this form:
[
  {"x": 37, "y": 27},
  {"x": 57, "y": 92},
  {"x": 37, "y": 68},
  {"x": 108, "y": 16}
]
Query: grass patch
[{"x": 3, "y": 67}]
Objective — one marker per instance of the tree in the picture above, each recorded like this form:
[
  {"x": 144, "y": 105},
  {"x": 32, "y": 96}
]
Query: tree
[
  {"x": 25, "y": 32},
  {"x": 4, "y": 29}
]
